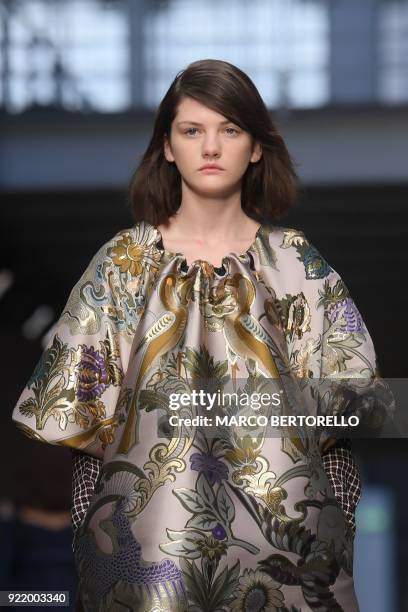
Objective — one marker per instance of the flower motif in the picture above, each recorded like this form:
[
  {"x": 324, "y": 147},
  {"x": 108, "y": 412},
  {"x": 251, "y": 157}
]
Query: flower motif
[
  {"x": 243, "y": 457},
  {"x": 348, "y": 310},
  {"x": 257, "y": 592},
  {"x": 211, "y": 548},
  {"x": 214, "y": 469},
  {"x": 93, "y": 378},
  {"x": 129, "y": 255},
  {"x": 315, "y": 265},
  {"x": 299, "y": 316}
]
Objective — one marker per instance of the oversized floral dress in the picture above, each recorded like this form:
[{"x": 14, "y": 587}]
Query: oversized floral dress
[{"x": 184, "y": 516}]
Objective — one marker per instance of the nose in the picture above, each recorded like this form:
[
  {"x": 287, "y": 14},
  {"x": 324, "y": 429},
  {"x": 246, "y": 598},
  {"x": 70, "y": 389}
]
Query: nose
[{"x": 211, "y": 145}]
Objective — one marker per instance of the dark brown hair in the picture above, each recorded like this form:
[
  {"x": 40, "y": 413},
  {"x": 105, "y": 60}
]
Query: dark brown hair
[{"x": 269, "y": 186}]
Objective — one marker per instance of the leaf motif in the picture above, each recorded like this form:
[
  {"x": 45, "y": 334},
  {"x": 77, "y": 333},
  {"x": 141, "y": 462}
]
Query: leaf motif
[
  {"x": 185, "y": 566},
  {"x": 62, "y": 403},
  {"x": 222, "y": 369},
  {"x": 57, "y": 357},
  {"x": 201, "y": 587},
  {"x": 55, "y": 391},
  {"x": 224, "y": 586},
  {"x": 115, "y": 374},
  {"x": 190, "y": 500},
  {"x": 248, "y": 501},
  {"x": 225, "y": 505},
  {"x": 179, "y": 535},
  {"x": 180, "y": 548},
  {"x": 204, "y": 489},
  {"x": 218, "y": 585},
  {"x": 52, "y": 362},
  {"x": 204, "y": 521},
  {"x": 197, "y": 590},
  {"x": 110, "y": 347}
]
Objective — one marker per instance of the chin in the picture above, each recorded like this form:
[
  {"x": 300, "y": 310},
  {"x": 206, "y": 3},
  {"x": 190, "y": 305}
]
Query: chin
[
  {"x": 212, "y": 186},
  {"x": 217, "y": 192}
]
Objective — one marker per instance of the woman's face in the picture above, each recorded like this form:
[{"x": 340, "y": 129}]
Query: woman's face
[{"x": 201, "y": 136}]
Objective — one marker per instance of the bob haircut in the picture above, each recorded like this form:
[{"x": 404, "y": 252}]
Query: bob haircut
[{"x": 269, "y": 186}]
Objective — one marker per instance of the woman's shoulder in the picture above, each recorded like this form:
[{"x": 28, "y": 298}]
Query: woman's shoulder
[
  {"x": 128, "y": 248},
  {"x": 114, "y": 283},
  {"x": 141, "y": 232},
  {"x": 293, "y": 249},
  {"x": 281, "y": 247},
  {"x": 144, "y": 234}
]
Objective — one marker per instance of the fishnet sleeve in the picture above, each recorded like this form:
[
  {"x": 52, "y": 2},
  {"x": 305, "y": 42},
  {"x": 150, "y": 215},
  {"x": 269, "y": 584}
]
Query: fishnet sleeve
[
  {"x": 345, "y": 478},
  {"x": 85, "y": 470}
]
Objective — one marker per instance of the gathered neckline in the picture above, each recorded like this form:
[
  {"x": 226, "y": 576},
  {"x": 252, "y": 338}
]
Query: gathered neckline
[{"x": 200, "y": 262}]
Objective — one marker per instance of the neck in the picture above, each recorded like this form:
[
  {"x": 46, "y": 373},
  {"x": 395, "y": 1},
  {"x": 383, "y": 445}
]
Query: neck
[{"x": 199, "y": 217}]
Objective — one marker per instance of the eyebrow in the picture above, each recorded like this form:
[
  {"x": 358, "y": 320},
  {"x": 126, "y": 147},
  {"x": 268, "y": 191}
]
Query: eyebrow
[{"x": 200, "y": 124}]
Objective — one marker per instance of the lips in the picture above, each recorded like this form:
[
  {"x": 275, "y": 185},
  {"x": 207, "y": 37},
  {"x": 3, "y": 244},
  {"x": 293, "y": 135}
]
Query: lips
[{"x": 210, "y": 167}]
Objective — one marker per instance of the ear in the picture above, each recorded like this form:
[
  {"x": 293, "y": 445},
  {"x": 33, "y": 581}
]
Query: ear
[
  {"x": 256, "y": 152},
  {"x": 167, "y": 149}
]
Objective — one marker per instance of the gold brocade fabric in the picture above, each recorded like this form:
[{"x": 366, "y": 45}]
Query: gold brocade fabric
[{"x": 181, "y": 520}]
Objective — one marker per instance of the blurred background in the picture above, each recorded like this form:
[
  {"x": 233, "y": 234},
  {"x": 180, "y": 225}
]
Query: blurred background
[{"x": 79, "y": 84}]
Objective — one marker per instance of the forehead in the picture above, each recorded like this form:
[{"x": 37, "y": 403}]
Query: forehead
[{"x": 189, "y": 108}]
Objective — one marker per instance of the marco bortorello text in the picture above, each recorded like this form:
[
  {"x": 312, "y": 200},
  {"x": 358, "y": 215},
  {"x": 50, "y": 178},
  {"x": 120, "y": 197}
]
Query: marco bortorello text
[{"x": 202, "y": 409}]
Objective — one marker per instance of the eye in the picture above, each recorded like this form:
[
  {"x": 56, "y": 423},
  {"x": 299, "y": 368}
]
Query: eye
[
  {"x": 188, "y": 130},
  {"x": 233, "y": 129}
]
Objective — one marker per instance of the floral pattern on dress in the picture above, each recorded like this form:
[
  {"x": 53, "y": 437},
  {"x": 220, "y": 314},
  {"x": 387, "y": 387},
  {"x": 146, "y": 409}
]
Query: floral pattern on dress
[{"x": 180, "y": 520}]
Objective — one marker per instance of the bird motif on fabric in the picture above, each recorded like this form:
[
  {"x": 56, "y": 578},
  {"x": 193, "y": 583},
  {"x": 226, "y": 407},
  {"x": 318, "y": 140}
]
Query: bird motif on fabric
[
  {"x": 162, "y": 337},
  {"x": 149, "y": 583},
  {"x": 246, "y": 338}
]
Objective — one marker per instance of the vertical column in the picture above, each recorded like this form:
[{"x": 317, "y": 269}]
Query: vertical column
[
  {"x": 353, "y": 51},
  {"x": 5, "y": 15},
  {"x": 136, "y": 10}
]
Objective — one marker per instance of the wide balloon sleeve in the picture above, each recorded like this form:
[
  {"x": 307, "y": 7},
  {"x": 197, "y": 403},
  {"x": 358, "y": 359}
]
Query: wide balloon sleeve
[
  {"x": 72, "y": 396},
  {"x": 331, "y": 349},
  {"x": 350, "y": 383}
]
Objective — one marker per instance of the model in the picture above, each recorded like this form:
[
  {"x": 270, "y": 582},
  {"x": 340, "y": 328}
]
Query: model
[{"x": 176, "y": 514}]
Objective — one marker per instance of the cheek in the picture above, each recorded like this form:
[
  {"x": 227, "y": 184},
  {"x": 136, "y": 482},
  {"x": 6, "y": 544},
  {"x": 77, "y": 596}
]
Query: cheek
[
  {"x": 242, "y": 157},
  {"x": 183, "y": 153}
]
